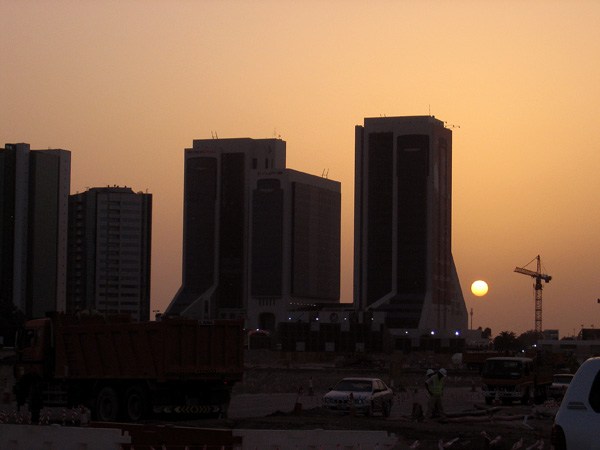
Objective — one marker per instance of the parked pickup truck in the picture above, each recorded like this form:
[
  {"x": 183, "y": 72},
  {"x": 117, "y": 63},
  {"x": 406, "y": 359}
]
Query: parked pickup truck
[
  {"x": 577, "y": 422},
  {"x": 514, "y": 378}
]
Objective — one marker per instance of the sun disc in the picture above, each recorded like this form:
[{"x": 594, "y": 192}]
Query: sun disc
[{"x": 479, "y": 288}]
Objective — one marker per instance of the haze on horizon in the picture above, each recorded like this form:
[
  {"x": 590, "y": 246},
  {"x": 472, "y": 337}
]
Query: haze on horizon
[{"x": 126, "y": 86}]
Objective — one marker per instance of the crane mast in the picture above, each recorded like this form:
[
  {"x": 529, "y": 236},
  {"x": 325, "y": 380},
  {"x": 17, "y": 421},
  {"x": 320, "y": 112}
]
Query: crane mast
[{"x": 538, "y": 276}]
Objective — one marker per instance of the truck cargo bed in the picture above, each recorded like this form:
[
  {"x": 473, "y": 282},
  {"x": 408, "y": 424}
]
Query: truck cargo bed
[{"x": 172, "y": 349}]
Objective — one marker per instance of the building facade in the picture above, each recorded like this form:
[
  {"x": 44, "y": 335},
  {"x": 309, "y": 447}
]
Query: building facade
[
  {"x": 403, "y": 265},
  {"x": 34, "y": 192},
  {"x": 109, "y": 252},
  {"x": 249, "y": 226},
  {"x": 294, "y": 257}
]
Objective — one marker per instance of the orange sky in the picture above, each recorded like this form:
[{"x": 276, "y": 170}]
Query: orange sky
[{"x": 127, "y": 85}]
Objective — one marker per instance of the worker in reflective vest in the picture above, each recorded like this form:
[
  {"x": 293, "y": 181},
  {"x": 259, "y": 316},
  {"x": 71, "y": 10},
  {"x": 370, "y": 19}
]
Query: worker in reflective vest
[{"x": 436, "y": 388}]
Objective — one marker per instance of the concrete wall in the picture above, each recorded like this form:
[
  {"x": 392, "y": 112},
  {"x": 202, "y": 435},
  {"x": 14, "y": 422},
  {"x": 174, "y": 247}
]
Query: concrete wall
[
  {"x": 315, "y": 439},
  {"x": 56, "y": 437}
]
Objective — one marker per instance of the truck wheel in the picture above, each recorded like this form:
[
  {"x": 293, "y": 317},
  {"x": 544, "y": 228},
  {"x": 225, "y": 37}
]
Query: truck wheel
[
  {"x": 136, "y": 403},
  {"x": 107, "y": 405},
  {"x": 35, "y": 401},
  {"x": 525, "y": 398},
  {"x": 541, "y": 397},
  {"x": 387, "y": 409}
]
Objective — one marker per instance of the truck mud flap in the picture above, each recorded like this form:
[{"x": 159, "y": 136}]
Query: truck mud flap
[{"x": 200, "y": 409}]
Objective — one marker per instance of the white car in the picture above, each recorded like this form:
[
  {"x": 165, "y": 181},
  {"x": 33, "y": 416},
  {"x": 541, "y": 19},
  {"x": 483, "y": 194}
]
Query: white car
[
  {"x": 368, "y": 394},
  {"x": 560, "y": 383},
  {"x": 577, "y": 422}
]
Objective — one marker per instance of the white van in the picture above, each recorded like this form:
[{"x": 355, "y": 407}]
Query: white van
[{"x": 577, "y": 422}]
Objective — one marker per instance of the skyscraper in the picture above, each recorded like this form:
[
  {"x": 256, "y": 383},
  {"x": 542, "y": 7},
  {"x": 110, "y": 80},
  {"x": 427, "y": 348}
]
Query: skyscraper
[
  {"x": 294, "y": 257},
  {"x": 402, "y": 250},
  {"x": 247, "y": 221},
  {"x": 109, "y": 252},
  {"x": 34, "y": 192}
]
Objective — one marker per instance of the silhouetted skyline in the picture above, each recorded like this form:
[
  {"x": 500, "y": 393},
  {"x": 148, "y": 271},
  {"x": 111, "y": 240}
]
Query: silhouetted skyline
[{"x": 125, "y": 87}]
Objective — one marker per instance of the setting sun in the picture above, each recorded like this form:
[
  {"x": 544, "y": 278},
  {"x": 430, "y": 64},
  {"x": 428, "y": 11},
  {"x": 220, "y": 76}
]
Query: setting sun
[{"x": 479, "y": 288}]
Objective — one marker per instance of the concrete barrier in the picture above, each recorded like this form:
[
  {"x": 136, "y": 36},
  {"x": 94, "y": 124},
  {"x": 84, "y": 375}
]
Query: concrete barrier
[
  {"x": 55, "y": 437},
  {"x": 315, "y": 439}
]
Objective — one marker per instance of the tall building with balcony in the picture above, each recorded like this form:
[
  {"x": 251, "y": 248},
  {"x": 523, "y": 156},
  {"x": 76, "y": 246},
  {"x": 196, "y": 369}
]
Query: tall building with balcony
[
  {"x": 109, "y": 252},
  {"x": 258, "y": 239},
  {"x": 403, "y": 264},
  {"x": 34, "y": 193}
]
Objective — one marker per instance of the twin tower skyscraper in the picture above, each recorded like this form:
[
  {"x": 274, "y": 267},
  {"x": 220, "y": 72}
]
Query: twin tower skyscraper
[{"x": 262, "y": 241}]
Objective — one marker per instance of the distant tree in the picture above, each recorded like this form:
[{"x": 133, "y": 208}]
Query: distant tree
[
  {"x": 506, "y": 342},
  {"x": 528, "y": 339},
  {"x": 487, "y": 333}
]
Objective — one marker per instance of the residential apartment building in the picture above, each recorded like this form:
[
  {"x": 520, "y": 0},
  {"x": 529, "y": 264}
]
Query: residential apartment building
[{"x": 109, "y": 252}]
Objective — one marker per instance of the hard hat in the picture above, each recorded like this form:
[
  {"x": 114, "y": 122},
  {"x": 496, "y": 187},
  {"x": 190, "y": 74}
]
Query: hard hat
[
  {"x": 443, "y": 371},
  {"x": 429, "y": 372}
]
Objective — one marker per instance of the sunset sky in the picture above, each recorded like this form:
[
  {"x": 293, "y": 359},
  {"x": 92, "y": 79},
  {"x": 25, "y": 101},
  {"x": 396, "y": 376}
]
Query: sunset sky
[{"x": 127, "y": 85}]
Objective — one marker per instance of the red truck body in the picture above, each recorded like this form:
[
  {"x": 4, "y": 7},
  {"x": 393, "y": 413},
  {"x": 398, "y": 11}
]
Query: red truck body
[
  {"x": 474, "y": 360},
  {"x": 119, "y": 367},
  {"x": 173, "y": 349}
]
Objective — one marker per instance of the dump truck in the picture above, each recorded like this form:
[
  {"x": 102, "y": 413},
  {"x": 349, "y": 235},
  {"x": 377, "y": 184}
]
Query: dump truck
[
  {"x": 513, "y": 378},
  {"x": 474, "y": 360},
  {"x": 124, "y": 370}
]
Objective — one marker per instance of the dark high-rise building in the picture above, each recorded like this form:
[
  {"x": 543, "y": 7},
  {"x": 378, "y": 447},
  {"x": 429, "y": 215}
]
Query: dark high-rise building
[
  {"x": 250, "y": 226},
  {"x": 403, "y": 197},
  {"x": 294, "y": 254},
  {"x": 34, "y": 192},
  {"x": 110, "y": 231}
]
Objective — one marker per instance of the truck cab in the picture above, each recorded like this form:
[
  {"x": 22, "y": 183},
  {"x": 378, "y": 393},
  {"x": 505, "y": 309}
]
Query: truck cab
[
  {"x": 514, "y": 378},
  {"x": 34, "y": 356},
  {"x": 33, "y": 347}
]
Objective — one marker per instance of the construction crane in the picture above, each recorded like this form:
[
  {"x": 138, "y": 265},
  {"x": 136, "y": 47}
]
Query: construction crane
[{"x": 538, "y": 276}]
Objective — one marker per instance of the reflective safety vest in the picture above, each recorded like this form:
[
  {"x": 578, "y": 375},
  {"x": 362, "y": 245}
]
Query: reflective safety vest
[{"x": 437, "y": 385}]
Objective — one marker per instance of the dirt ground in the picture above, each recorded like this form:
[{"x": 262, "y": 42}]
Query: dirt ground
[
  {"x": 469, "y": 435},
  {"x": 469, "y": 418}
]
